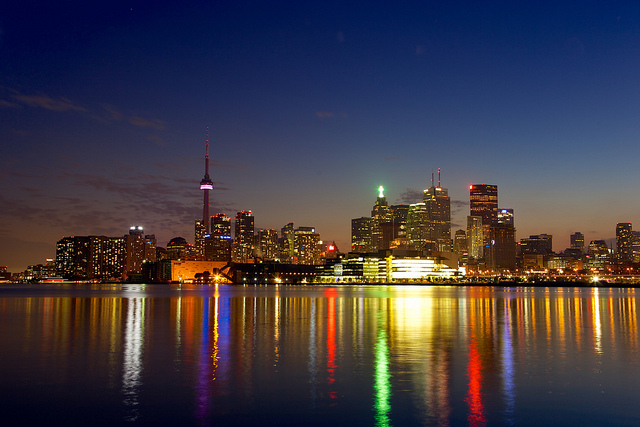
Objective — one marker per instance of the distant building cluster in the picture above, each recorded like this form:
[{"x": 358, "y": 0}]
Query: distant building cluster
[{"x": 396, "y": 243}]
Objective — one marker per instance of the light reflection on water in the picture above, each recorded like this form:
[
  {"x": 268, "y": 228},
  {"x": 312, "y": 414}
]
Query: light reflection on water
[{"x": 388, "y": 355}]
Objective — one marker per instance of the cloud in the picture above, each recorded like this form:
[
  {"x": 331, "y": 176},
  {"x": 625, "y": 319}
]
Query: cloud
[
  {"x": 159, "y": 141},
  {"x": 410, "y": 196},
  {"x": 393, "y": 159},
  {"x": 324, "y": 114},
  {"x": 7, "y": 104},
  {"x": 458, "y": 205},
  {"x": 112, "y": 112},
  {"x": 141, "y": 122},
  {"x": 48, "y": 103}
]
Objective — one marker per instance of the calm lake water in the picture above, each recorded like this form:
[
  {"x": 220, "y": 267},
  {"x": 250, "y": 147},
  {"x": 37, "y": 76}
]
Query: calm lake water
[{"x": 317, "y": 355}]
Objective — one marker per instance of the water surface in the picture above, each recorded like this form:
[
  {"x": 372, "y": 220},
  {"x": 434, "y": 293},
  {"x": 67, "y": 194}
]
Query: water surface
[{"x": 318, "y": 355}]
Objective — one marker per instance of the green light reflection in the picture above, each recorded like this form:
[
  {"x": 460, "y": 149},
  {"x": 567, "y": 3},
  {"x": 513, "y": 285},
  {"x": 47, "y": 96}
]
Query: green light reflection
[{"x": 382, "y": 381}]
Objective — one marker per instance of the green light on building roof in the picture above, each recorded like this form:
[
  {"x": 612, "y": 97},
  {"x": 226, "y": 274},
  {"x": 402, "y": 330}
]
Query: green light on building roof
[{"x": 381, "y": 191}]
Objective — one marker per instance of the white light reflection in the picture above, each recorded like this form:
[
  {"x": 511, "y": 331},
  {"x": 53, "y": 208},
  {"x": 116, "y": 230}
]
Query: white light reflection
[
  {"x": 597, "y": 322},
  {"x": 132, "y": 366}
]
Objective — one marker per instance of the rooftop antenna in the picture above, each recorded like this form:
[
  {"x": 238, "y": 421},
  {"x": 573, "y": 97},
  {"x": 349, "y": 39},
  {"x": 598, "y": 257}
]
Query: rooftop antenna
[
  {"x": 438, "y": 177},
  {"x": 432, "y": 177}
]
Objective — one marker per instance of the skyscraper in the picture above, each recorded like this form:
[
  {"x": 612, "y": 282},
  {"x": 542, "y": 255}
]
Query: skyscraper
[
  {"x": 418, "y": 231},
  {"x": 218, "y": 245},
  {"x": 484, "y": 203},
  {"x": 380, "y": 214},
  {"x": 474, "y": 237},
  {"x": 221, "y": 225},
  {"x": 502, "y": 247},
  {"x": 577, "y": 241},
  {"x": 361, "y": 234},
  {"x": 244, "y": 237},
  {"x": 624, "y": 242},
  {"x": 307, "y": 246},
  {"x": 438, "y": 206}
]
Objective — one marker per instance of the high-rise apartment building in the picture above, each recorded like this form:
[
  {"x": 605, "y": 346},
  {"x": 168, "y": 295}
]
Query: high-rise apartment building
[
  {"x": 624, "y": 242},
  {"x": 483, "y": 202},
  {"x": 139, "y": 248},
  {"x": 244, "y": 231},
  {"x": 200, "y": 233},
  {"x": 635, "y": 246},
  {"x": 243, "y": 244},
  {"x": 218, "y": 244},
  {"x": 307, "y": 246},
  {"x": 221, "y": 225},
  {"x": 268, "y": 244},
  {"x": 287, "y": 243}
]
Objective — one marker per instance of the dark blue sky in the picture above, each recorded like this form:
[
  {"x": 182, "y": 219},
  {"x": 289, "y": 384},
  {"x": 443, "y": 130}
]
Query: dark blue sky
[{"x": 311, "y": 106}]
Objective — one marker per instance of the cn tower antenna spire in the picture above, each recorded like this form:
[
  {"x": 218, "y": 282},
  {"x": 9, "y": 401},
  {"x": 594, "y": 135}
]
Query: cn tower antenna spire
[
  {"x": 206, "y": 157},
  {"x": 206, "y": 185}
]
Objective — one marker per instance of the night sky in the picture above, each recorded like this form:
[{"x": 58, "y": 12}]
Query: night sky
[{"x": 310, "y": 107}]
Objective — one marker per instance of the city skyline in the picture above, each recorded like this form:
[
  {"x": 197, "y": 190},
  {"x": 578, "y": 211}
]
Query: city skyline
[{"x": 310, "y": 109}]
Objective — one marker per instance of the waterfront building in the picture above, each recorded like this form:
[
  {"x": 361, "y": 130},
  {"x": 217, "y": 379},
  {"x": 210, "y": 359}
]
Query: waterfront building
[
  {"x": 199, "y": 271},
  {"x": 90, "y": 257}
]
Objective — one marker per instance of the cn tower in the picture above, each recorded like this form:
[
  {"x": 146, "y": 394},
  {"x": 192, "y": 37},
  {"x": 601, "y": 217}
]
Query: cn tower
[{"x": 206, "y": 184}]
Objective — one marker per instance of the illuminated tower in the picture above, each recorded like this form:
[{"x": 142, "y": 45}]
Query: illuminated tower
[
  {"x": 202, "y": 226},
  {"x": 206, "y": 185},
  {"x": 380, "y": 214}
]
